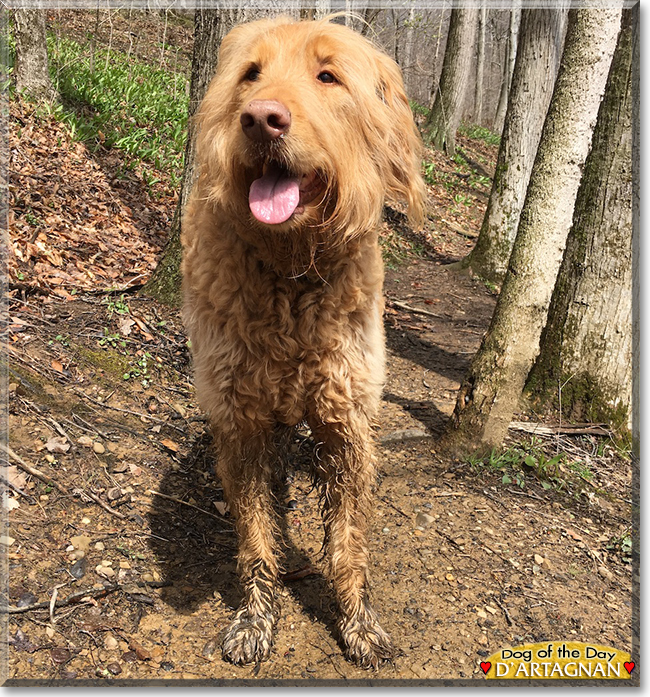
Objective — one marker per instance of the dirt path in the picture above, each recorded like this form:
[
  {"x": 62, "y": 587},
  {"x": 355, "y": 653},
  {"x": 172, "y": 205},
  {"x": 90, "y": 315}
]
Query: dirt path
[{"x": 462, "y": 564}]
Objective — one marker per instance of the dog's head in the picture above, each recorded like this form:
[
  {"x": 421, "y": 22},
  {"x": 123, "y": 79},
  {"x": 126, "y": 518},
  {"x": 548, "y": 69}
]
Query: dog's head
[{"x": 306, "y": 124}]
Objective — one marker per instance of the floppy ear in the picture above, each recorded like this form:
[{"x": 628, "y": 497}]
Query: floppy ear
[{"x": 404, "y": 178}]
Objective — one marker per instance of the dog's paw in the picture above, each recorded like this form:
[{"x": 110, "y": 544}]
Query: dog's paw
[
  {"x": 366, "y": 643},
  {"x": 249, "y": 638}
]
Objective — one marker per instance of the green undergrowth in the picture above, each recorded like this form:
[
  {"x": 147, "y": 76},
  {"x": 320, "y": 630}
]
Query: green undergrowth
[
  {"x": 476, "y": 132},
  {"x": 526, "y": 462},
  {"x": 112, "y": 100}
]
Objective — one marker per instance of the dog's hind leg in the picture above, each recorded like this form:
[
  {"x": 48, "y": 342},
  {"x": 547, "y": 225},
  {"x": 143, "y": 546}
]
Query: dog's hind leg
[
  {"x": 346, "y": 465},
  {"x": 246, "y": 473}
]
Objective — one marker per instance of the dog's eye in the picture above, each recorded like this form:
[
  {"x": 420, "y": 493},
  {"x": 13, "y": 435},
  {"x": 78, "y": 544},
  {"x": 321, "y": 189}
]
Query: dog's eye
[
  {"x": 326, "y": 77},
  {"x": 252, "y": 75}
]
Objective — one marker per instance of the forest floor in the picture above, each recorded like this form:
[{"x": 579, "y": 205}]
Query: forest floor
[{"x": 120, "y": 552}]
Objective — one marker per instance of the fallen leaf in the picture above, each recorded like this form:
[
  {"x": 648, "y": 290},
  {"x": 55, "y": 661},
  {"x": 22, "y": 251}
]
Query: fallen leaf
[
  {"x": 221, "y": 506},
  {"x": 169, "y": 444},
  {"x": 58, "y": 444},
  {"x": 57, "y": 366},
  {"x": 15, "y": 477},
  {"x": 140, "y": 651}
]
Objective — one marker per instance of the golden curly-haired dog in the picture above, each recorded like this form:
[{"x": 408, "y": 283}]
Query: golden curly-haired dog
[{"x": 303, "y": 133}]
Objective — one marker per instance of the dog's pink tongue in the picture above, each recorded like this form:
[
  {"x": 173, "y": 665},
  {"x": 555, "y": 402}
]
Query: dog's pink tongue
[{"x": 274, "y": 197}]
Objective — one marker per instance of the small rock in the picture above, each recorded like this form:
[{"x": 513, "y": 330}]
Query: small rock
[
  {"x": 147, "y": 578},
  {"x": 86, "y": 441},
  {"x": 26, "y": 599},
  {"x": 292, "y": 505},
  {"x": 99, "y": 546},
  {"x": 125, "y": 565},
  {"x": 450, "y": 577},
  {"x": 482, "y": 614},
  {"x": 602, "y": 570},
  {"x": 491, "y": 610},
  {"x": 385, "y": 530},
  {"x": 114, "y": 668},
  {"x": 6, "y": 540},
  {"x": 114, "y": 493},
  {"x": 539, "y": 560},
  {"x": 78, "y": 569},
  {"x": 110, "y": 642},
  {"x": 167, "y": 665},
  {"x": 60, "y": 655},
  {"x": 210, "y": 647},
  {"x": 129, "y": 657},
  {"x": 50, "y": 458},
  {"x": 104, "y": 571},
  {"x": 99, "y": 448},
  {"x": 423, "y": 520}
]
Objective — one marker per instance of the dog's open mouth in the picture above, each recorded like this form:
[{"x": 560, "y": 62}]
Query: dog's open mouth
[{"x": 278, "y": 193}]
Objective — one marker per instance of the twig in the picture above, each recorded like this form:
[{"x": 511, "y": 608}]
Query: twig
[
  {"x": 552, "y": 429},
  {"x": 73, "y": 598},
  {"x": 505, "y": 611},
  {"x": 139, "y": 414},
  {"x": 185, "y": 503},
  {"x": 417, "y": 310},
  {"x": 392, "y": 505},
  {"x": 97, "y": 500},
  {"x": 31, "y": 470}
]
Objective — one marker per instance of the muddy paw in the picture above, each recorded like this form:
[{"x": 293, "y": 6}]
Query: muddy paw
[
  {"x": 366, "y": 643},
  {"x": 248, "y": 639}
]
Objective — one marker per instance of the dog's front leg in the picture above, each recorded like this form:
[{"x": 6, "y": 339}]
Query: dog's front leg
[
  {"x": 245, "y": 470},
  {"x": 346, "y": 465}
]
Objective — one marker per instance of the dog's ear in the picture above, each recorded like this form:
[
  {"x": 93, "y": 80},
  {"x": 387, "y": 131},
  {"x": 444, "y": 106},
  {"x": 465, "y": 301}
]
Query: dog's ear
[{"x": 404, "y": 178}]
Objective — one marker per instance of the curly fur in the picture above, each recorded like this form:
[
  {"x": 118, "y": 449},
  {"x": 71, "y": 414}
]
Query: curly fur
[{"x": 285, "y": 320}]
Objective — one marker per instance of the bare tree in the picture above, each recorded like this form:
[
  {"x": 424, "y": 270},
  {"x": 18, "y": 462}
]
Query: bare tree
[
  {"x": 491, "y": 391},
  {"x": 480, "y": 65},
  {"x": 585, "y": 360},
  {"x": 449, "y": 97},
  {"x": 31, "y": 69},
  {"x": 209, "y": 30},
  {"x": 508, "y": 67},
  {"x": 532, "y": 87}
]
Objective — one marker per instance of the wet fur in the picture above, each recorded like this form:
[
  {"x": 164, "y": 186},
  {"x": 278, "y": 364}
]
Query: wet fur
[{"x": 286, "y": 320}]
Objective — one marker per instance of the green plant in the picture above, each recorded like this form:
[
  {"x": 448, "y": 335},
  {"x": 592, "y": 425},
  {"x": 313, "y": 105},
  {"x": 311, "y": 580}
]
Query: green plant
[
  {"x": 113, "y": 340},
  {"x": 480, "y": 133},
  {"x": 140, "y": 369},
  {"x": 116, "y": 306},
  {"x": 120, "y": 102}
]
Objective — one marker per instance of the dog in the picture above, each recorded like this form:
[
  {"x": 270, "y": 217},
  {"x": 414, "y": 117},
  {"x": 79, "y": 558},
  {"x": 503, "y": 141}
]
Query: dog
[{"x": 303, "y": 133}]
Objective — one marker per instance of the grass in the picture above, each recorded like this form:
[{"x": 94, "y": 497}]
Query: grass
[{"x": 118, "y": 102}]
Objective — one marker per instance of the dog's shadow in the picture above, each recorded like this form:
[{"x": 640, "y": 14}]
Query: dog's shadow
[{"x": 196, "y": 547}]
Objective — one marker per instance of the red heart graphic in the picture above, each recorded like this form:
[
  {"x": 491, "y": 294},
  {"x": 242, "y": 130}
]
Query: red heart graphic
[
  {"x": 628, "y": 666},
  {"x": 485, "y": 666}
]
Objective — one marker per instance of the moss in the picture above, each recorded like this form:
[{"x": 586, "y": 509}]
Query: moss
[
  {"x": 582, "y": 400},
  {"x": 113, "y": 363}
]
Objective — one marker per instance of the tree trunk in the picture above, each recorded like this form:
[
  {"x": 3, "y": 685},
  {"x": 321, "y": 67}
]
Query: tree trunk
[
  {"x": 31, "y": 69},
  {"x": 479, "y": 86},
  {"x": 408, "y": 67},
  {"x": 491, "y": 391},
  {"x": 532, "y": 87},
  {"x": 209, "y": 30},
  {"x": 445, "y": 115},
  {"x": 586, "y": 346},
  {"x": 508, "y": 68}
]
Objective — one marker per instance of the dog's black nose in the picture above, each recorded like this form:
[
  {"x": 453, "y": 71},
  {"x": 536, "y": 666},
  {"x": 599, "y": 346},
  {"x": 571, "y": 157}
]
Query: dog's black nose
[{"x": 264, "y": 120}]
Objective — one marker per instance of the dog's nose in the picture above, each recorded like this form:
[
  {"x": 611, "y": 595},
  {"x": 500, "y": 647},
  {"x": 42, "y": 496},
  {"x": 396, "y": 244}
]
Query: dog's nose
[{"x": 264, "y": 120}]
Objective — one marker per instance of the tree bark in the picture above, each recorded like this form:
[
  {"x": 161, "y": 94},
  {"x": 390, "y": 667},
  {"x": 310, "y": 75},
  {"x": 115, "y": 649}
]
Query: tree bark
[
  {"x": 479, "y": 86},
  {"x": 31, "y": 69},
  {"x": 446, "y": 112},
  {"x": 532, "y": 86},
  {"x": 491, "y": 391},
  {"x": 586, "y": 346},
  {"x": 209, "y": 30},
  {"x": 508, "y": 68}
]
